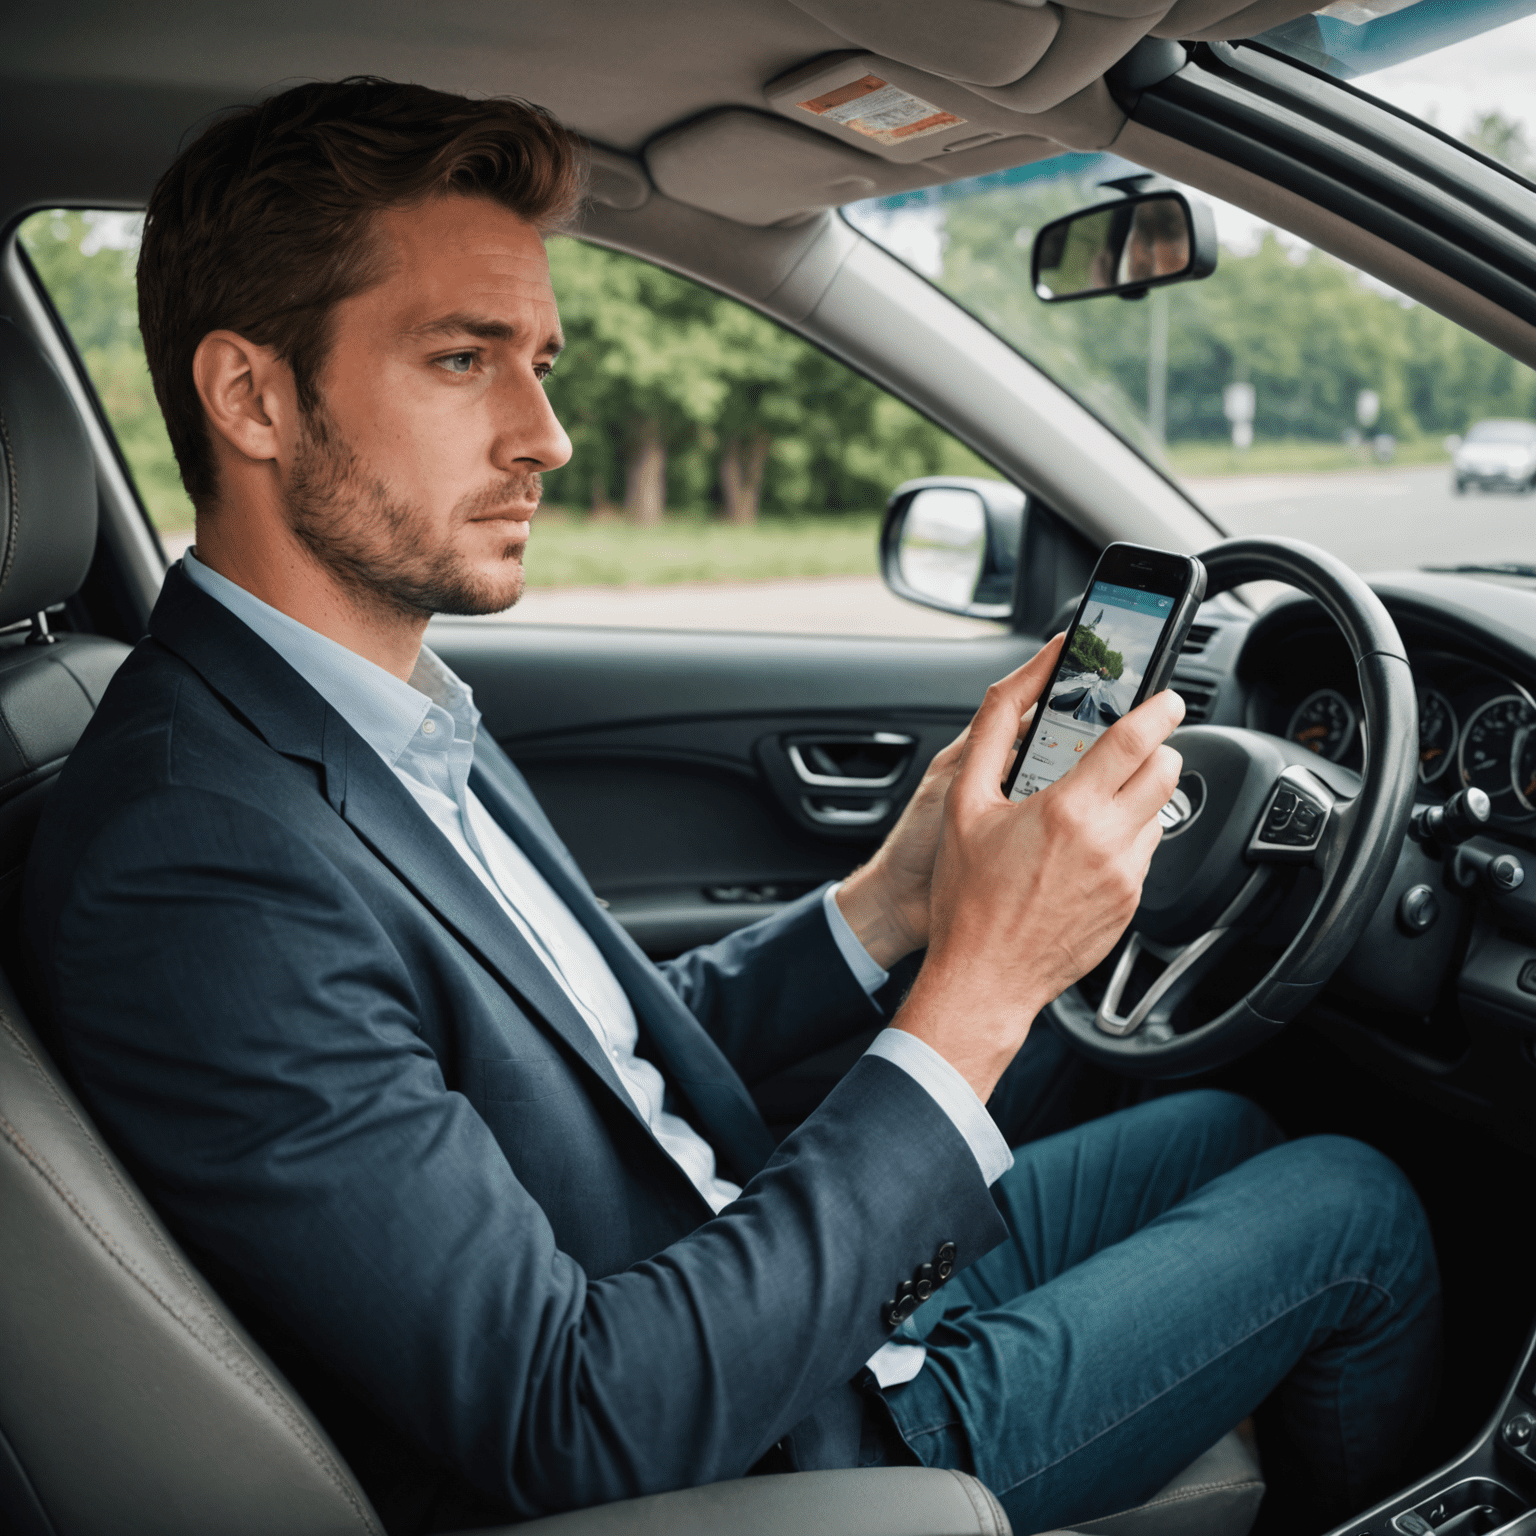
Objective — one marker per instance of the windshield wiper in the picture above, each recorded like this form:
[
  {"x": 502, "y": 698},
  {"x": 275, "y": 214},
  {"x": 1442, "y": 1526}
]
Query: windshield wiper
[{"x": 1496, "y": 568}]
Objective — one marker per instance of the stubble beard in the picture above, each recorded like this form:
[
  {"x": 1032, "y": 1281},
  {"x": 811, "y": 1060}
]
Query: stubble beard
[{"x": 377, "y": 545}]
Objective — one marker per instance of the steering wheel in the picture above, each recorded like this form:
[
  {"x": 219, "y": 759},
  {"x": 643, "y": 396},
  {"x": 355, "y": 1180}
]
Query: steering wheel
[{"x": 1247, "y": 805}]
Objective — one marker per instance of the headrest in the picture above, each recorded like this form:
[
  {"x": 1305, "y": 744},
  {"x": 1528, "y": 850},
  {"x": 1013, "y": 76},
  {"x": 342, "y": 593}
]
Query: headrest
[{"x": 47, "y": 483}]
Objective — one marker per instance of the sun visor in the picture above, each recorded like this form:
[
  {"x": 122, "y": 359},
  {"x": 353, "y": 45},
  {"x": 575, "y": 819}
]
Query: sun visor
[
  {"x": 987, "y": 41},
  {"x": 1032, "y": 55},
  {"x": 759, "y": 170},
  {"x": 1214, "y": 21},
  {"x": 1084, "y": 47},
  {"x": 883, "y": 108},
  {"x": 762, "y": 170}
]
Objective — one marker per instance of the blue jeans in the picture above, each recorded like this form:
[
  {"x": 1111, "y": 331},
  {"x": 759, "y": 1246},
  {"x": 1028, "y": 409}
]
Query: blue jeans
[{"x": 1173, "y": 1267}]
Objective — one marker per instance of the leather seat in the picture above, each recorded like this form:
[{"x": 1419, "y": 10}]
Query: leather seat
[{"x": 131, "y": 1400}]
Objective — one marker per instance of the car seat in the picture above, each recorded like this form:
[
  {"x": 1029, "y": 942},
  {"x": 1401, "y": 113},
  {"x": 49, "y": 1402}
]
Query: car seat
[{"x": 131, "y": 1399}]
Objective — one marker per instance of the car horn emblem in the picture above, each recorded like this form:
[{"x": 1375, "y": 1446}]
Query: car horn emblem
[{"x": 1184, "y": 806}]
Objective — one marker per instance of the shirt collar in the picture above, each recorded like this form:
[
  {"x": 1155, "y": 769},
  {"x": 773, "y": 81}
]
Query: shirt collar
[{"x": 385, "y": 712}]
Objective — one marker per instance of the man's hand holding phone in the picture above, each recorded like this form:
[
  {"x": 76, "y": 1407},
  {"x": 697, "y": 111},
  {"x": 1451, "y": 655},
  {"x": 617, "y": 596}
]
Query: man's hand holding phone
[{"x": 1029, "y": 896}]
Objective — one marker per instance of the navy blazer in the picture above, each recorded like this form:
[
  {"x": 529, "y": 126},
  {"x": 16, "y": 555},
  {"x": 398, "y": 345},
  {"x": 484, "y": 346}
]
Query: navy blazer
[{"x": 362, "y": 1102}]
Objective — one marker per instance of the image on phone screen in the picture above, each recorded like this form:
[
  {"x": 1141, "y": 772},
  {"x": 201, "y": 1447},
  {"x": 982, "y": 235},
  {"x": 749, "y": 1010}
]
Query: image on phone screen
[{"x": 1103, "y": 663}]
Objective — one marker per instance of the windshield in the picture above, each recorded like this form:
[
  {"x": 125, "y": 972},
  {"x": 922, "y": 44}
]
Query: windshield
[{"x": 1289, "y": 393}]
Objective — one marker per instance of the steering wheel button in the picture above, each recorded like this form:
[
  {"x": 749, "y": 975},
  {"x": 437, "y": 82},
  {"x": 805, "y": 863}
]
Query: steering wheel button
[{"x": 1305, "y": 820}]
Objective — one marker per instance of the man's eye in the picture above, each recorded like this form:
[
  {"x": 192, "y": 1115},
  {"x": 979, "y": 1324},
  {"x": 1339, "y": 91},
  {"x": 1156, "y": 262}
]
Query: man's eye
[{"x": 457, "y": 362}]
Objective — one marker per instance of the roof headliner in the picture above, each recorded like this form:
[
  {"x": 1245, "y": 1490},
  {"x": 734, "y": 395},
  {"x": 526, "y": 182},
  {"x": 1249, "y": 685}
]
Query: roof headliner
[{"x": 617, "y": 71}]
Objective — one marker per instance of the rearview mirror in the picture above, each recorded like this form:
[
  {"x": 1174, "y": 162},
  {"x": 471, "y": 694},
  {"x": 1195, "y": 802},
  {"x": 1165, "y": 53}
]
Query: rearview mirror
[
  {"x": 1125, "y": 247},
  {"x": 952, "y": 542}
]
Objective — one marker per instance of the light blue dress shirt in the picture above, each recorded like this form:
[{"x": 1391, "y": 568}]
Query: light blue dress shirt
[{"x": 425, "y": 731}]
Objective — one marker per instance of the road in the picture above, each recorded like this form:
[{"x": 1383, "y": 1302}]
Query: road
[
  {"x": 1378, "y": 519},
  {"x": 1374, "y": 519}
]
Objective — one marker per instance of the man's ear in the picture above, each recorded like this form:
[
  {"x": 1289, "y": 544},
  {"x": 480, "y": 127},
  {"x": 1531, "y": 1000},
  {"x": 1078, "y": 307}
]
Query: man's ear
[{"x": 248, "y": 393}]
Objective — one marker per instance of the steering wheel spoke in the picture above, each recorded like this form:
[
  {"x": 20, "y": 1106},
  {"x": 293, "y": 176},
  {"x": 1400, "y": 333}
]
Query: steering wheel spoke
[
  {"x": 1185, "y": 966},
  {"x": 1249, "y": 809},
  {"x": 1295, "y": 825}
]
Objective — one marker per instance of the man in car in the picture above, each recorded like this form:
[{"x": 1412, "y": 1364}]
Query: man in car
[{"x": 490, "y": 1185}]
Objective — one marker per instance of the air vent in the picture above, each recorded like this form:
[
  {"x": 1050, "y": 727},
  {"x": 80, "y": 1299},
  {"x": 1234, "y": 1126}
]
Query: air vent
[
  {"x": 1200, "y": 636},
  {"x": 1199, "y": 699}
]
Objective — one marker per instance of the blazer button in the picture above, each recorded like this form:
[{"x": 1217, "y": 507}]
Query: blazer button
[
  {"x": 944, "y": 1261},
  {"x": 923, "y": 1278}
]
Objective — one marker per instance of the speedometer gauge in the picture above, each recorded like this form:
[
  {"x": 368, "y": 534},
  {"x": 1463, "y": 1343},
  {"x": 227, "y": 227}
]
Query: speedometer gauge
[
  {"x": 1524, "y": 765},
  {"x": 1324, "y": 723},
  {"x": 1488, "y": 746},
  {"x": 1437, "y": 735}
]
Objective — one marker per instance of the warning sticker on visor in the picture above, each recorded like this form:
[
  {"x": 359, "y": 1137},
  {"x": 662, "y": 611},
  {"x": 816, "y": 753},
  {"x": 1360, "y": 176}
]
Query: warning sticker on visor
[{"x": 881, "y": 111}]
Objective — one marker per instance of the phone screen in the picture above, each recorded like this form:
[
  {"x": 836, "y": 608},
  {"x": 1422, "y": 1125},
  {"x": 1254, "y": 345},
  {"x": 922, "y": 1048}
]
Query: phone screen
[{"x": 1104, "y": 662}]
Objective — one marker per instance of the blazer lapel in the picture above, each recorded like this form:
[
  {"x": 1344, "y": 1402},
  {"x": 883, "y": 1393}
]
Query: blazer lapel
[
  {"x": 294, "y": 720},
  {"x": 383, "y": 814},
  {"x": 689, "y": 1058}
]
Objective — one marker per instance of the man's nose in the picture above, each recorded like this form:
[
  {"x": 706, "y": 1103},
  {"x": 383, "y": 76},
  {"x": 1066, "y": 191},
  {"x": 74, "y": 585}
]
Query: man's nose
[{"x": 529, "y": 435}]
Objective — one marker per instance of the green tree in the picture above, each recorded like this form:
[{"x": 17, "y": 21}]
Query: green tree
[
  {"x": 1090, "y": 654},
  {"x": 1503, "y": 139},
  {"x": 744, "y": 416},
  {"x": 85, "y": 261}
]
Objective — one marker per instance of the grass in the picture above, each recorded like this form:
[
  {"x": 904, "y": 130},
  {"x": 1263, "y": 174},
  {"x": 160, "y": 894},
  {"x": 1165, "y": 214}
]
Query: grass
[
  {"x": 1294, "y": 456},
  {"x": 567, "y": 551}
]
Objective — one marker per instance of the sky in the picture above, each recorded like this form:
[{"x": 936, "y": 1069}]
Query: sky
[
  {"x": 1451, "y": 89},
  {"x": 1453, "y": 86}
]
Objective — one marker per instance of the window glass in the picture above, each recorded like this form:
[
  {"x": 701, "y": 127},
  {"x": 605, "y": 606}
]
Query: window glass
[
  {"x": 725, "y": 475},
  {"x": 85, "y": 260},
  {"x": 1288, "y": 392}
]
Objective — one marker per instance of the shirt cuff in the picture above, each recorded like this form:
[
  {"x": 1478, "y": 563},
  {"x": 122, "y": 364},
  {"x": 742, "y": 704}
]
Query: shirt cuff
[
  {"x": 865, "y": 971},
  {"x": 898, "y": 1362},
  {"x": 953, "y": 1095}
]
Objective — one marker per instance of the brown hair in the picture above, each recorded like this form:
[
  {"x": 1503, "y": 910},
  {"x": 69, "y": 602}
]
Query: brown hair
[{"x": 262, "y": 225}]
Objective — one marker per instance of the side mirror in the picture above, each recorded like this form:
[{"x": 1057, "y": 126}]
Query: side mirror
[
  {"x": 1128, "y": 246},
  {"x": 951, "y": 542}
]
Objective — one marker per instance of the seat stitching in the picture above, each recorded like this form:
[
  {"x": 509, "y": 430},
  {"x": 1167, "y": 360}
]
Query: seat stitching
[
  {"x": 6, "y": 722},
  {"x": 151, "y": 1226},
  {"x": 13, "y": 529},
  {"x": 1183, "y": 1496},
  {"x": 245, "y": 1370},
  {"x": 968, "y": 1486}
]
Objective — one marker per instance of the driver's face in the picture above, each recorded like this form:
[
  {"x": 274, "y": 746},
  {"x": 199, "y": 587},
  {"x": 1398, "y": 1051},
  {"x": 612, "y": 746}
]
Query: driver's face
[
  {"x": 1153, "y": 252},
  {"x": 419, "y": 478}
]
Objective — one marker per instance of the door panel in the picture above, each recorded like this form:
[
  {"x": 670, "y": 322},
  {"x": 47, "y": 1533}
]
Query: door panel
[{"x": 662, "y": 757}]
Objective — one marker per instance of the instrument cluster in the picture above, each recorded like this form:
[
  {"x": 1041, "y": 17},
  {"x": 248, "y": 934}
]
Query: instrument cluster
[{"x": 1476, "y": 727}]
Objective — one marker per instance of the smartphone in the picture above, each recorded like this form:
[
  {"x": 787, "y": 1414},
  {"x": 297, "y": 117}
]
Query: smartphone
[{"x": 1120, "y": 649}]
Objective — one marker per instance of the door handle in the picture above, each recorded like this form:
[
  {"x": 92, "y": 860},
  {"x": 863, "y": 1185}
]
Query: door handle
[
  {"x": 819, "y": 760},
  {"x": 830, "y": 815}
]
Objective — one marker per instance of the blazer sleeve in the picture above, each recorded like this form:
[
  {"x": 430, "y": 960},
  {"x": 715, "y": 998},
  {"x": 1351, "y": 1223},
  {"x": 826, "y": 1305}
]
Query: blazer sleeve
[
  {"x": 775, "y": 992},
  {"x": 245, "y": 1032},
  {"x": 770, "y": 994}
]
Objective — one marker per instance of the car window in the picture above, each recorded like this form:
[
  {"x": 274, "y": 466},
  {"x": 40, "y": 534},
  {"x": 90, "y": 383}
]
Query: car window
[
  {"x": 1289, "y": 393},
  {"x": 725, "y": 474},
  {"x": 85, "y": 260}
]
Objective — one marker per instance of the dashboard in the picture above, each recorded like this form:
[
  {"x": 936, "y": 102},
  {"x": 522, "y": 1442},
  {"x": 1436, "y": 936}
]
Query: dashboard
[
  {"x": 1477, "y": 727},
  {"x": 1443, "y": 1004},
  {"x": 1477, "y": 699}
]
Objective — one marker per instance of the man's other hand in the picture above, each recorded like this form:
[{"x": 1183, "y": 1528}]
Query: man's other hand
[
  {"x": 1028, "y": 897},
  {"x": 886, "y": 901}
]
